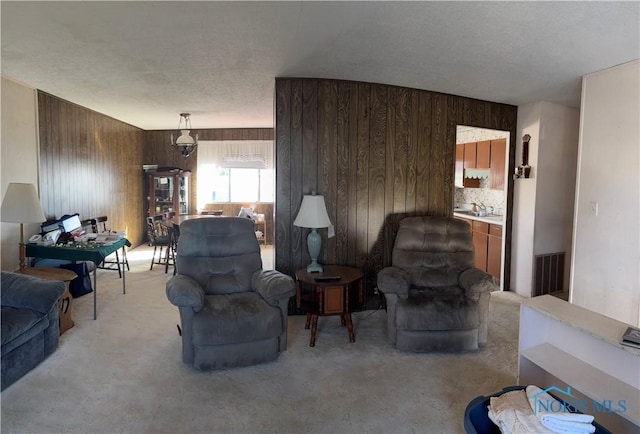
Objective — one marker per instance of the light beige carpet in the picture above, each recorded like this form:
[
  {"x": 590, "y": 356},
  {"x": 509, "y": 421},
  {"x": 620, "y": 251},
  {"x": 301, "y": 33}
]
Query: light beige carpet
[{"x": 123, "y": 374}]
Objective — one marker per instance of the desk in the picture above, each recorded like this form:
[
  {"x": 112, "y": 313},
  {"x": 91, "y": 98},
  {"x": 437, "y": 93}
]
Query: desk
[
  {"x": 338, "y": 297},
  {"x": 74, "y": 254}
]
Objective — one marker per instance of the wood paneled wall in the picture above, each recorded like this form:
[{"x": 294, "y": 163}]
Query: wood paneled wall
[
  {"x": 158, "y": 151},
  {"x": 377, "y": 153},
  {"x": 90, "y": 164}
]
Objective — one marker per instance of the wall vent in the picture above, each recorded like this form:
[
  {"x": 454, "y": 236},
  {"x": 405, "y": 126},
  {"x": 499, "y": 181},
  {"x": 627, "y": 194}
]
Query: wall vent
[{"x": 548, "y": 273}]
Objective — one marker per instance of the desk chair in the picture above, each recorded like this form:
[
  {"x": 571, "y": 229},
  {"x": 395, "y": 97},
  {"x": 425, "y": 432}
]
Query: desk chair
[
  {"x": 99, "y": 224},
  {"x": 158, "y": 236},
  {"x": 173, "y": 230},
  {"x": 174, "y": 235}
]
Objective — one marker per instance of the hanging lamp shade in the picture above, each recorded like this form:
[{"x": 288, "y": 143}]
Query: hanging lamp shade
[{"x": 185, "y": 143}]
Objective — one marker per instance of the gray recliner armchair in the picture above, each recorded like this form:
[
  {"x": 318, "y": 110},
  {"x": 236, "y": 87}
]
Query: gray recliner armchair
[
  {"x": 232, "y": 312},
  {"x": 436, "y": 299}
]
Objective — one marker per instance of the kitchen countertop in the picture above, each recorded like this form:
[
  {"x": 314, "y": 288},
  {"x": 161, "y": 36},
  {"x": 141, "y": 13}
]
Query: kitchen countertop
[{"x": 493, "y": 219}]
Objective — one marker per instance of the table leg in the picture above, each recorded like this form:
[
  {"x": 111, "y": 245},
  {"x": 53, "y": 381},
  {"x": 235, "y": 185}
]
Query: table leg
[
  {"x": 95, "y": 291},
  {"x": 307, "y": 324},
  {"x": 314, "y": 330},
  {"x": 124, "y": 291},
  {"x": 343, "y": 321},
  {"x": 352, "y": 337}
]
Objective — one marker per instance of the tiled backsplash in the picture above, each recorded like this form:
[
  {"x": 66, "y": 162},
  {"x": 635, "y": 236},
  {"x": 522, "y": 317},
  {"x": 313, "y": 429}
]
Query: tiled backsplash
[{"x": 464, "y": 197}]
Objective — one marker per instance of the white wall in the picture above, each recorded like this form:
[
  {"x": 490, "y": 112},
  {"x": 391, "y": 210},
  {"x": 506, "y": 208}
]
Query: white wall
[
  {"x": 524, "y": 203},
  {"x": 543, "y": 203},
  {"x": 606, "y": 249},
  {"x": 556, "y": 182},
  {"x": 18, "y": 157}
]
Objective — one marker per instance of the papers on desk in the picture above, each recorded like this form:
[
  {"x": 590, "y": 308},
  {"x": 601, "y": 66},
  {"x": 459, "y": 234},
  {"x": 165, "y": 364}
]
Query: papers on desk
[{"x": 109, "y": 237}]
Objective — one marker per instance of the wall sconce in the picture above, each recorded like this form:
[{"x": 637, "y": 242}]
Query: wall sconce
[
  {"x": 524, "y": 170},
  {"x": 313, "y": 214},
  {"x": 185, "y": 143}
]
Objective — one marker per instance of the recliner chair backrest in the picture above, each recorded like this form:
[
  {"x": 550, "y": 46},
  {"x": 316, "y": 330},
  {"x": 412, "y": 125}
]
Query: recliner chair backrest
[
  {"x": 220, "y": 253},
  {"x": 433, "y": 250}
]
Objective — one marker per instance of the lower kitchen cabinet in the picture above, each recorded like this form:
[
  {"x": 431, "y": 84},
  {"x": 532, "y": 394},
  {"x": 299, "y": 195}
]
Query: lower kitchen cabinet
[
  {"x": 480, "y": 232},
  {"x": 487, "y": 246},
  {"x": 494, "y": 251}
]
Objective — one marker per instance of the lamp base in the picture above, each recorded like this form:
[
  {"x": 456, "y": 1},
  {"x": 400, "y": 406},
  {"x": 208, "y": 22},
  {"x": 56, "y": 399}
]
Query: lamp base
[
  {"x": 313, "y": 244},
  {"x": 314, "y": 267},
  {"x": 23, "y": 256}
]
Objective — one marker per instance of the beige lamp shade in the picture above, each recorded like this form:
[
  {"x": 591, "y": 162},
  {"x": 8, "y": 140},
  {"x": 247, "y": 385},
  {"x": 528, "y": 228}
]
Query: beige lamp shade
[
  {"x": 313, "y": 213},
  {"x": 21, "y": 204}
]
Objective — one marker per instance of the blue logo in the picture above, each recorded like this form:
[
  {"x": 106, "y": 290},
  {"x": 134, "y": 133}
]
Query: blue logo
[{"x": 570, "y": 403}]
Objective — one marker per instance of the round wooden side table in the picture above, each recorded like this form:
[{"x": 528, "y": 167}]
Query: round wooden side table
[
  {"x": 339, "y": 296},
  {"x": 64, "y": 303}
]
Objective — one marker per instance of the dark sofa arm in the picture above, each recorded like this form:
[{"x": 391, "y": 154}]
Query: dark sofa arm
[
  {"x": 475, "y": 282},
  {"x": 28, "y": 292},
  {"x": 273, "y": 285},
  {"x": 394, "y": 280},
  {"x": 183, "y": 291}
]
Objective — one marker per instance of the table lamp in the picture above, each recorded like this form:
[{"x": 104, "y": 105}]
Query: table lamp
[
  {"x": 313, "y": 214},
  {"x": 21, "y": 205}
]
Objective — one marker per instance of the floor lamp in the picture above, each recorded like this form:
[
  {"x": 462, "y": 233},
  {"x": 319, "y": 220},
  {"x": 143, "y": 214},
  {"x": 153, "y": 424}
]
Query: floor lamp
[
  {"x": 21, "y": 205},
  {"x": 313, "y": 214}
]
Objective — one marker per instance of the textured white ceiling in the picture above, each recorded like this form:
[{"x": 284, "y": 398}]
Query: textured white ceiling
[{"x": 145, "y": 62}]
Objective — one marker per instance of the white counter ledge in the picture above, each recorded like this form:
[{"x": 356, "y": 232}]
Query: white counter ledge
[{"x": 494, "y": 219}]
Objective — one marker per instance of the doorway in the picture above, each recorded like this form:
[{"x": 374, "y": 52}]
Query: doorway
[{"x": 481, "y": 192}]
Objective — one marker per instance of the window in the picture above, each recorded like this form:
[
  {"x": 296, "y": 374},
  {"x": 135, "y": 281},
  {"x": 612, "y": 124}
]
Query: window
[
  {"x": 238, "y": 171},
  {"x": 241, "y": 185}
]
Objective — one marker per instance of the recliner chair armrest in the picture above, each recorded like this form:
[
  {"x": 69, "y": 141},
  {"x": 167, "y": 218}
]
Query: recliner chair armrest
[
  {"x": 272, "y": 285},
  {"x": 475, "y": 282},
  {"x": 29, "y": 292},
  {"x": 183, "y": 291},
  {"x": 394, "y": 280}
]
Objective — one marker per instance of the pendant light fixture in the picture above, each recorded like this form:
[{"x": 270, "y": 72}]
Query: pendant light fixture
[{"x": 185, "y": 143}]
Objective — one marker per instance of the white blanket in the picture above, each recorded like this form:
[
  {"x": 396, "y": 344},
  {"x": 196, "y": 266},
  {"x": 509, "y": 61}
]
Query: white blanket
[
  {"x": 512, "y": 413},
  {"x": 561, "y": 422}
]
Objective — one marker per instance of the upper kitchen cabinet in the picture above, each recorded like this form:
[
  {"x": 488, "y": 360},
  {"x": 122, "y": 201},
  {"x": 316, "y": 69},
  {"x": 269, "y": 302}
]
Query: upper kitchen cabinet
[
  {"x": 485, "y": 155},
  {"x": 497, "y": 164},
  {"x": 483, "y": 150},
  {"x": 476, "y": 155},
  {"x": 462, "y": 150}
]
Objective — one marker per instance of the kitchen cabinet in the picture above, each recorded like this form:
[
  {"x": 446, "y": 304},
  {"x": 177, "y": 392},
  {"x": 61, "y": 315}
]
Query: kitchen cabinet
[
  {"x": 460, "y": 180},
  {"x": 477, "y": 155},
  {"x": 497, "y": 164},
  {"x": 470, "y": 150},
  {"x": 168, "y": 191},
  {"x": 480, "y": 232},
  {"x": 487, "y": 154},
  {"x": 494, "y": 251},
  {"x": 487, "y": 246},
  {"x": 483, "y": 152}
]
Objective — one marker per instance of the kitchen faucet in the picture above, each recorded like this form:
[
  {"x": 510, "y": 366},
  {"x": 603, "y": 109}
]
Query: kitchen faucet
[{"x": 482, "y": 209}]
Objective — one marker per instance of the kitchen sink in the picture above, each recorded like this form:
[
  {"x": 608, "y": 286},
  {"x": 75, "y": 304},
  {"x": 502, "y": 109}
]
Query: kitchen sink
[{"x": 476, "y": 213}]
